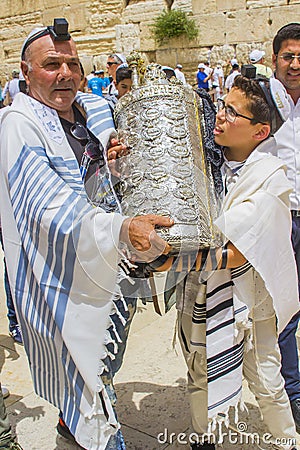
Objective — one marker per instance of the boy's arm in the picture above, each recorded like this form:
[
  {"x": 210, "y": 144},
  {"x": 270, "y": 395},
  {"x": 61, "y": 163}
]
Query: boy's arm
[{"x": 227, "y": 257}]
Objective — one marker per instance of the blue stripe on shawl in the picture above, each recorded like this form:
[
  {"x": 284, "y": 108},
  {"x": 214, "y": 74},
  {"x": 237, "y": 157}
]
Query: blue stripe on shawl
[{"x": 29, "y": 208}]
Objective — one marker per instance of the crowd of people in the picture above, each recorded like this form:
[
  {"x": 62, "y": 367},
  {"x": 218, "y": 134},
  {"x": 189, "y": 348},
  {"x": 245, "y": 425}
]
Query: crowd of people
[{"x": 64, "y": 243}]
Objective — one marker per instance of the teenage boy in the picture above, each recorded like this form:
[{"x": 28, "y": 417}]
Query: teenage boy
[{"x": 230, "y": 315}]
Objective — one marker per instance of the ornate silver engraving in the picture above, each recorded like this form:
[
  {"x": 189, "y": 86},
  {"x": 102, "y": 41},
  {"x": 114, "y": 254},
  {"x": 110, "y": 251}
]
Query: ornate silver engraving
[{"x": 166, "y": 172}]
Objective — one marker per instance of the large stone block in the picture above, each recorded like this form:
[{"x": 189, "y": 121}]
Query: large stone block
[
  {"x": 127, "y": 38},
  {"x": 282, "y": 15},
  {"x": 247, "y": 26},
  {"x": 143, "y": 11},
  {"x": 204, "y": 7},
  {"x": 264, "y": 3},
  {"x": 230, "y": 5},
  {"x": 212, "y": 29}
]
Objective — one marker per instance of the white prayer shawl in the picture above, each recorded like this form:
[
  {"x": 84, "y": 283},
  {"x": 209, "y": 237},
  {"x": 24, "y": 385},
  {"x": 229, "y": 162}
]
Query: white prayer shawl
[
  {"x": 256, "y": 217},
  {"x": 62, "y": 257}
]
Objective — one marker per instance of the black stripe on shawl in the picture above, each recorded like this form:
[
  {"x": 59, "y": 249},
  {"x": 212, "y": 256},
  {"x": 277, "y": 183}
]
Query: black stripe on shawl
[
  {"x": 233, "y": 364},
  {"x": 219, "y": 288},
  {"x": 240, "y": 270},
  {"x": 236, "y": 347},
  {"x": 225, "y": 361},
  {"x": 213, "y": 311},
  {"x": 220, "y": 326}
]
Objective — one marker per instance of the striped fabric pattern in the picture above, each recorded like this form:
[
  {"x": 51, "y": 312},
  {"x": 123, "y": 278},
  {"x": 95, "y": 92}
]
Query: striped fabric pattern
[
  {"x": 50, "y": 208},
  {"x": 214, "y": 326},
  {"x": 42, "y": 290}
]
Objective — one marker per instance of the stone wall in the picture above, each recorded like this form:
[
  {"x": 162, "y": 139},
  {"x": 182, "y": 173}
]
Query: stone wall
[{"x": 227, "y": 28}]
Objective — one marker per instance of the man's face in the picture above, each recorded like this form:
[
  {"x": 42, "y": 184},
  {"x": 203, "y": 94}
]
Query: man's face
[
  {"x": 111, "y": 67},
  {"x": 52, "y": 72},
  {"x": 289, "y": 72}
]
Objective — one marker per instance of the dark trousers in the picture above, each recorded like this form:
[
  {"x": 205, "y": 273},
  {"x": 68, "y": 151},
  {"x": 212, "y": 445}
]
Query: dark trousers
[
  {"x": 11, "y": 313},
  {"x": 287, "y": 338}
]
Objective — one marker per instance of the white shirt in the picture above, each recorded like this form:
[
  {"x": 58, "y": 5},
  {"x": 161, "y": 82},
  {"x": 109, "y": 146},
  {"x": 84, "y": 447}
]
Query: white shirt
[
  {"x": 217, "y": 75},
  {"x": 13, "y": 87},
  {"x": 230, "y": 79},
  {"x": 288, "y": 149},
  {"x": 180, "y": 75}
]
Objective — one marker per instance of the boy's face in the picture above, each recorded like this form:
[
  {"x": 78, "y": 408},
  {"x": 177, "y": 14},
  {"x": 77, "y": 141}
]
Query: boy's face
[
  {"x": 239, "y": 134},
  {"x": 124, "y": 86}
]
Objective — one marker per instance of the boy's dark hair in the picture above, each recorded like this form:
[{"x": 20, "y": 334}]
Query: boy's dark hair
[
  {"x": 259, "y": 104},
  {"x": 289, "y": 31},
  {"x": 123, "y": 73}
]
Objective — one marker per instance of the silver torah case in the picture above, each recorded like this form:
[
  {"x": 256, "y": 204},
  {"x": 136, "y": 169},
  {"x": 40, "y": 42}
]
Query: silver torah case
[{"x": 166, "y": 172}]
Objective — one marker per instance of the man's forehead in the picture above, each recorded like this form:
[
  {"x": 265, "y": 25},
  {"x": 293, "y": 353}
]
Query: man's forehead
[
  {"x": 291, "y": 43},
  {"x": 47, "y": 46}
]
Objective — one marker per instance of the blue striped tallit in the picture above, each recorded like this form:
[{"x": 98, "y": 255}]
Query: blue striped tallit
[
  {"x": 215, "y": 320},
  {"x": 62, "y": 261}
]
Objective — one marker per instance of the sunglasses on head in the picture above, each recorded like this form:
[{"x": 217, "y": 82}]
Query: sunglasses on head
[{"x": 93, "y": 151}]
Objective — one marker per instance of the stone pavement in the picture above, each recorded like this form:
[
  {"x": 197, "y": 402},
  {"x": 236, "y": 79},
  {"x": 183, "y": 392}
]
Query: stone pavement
[{"x": 151, "y": 386}]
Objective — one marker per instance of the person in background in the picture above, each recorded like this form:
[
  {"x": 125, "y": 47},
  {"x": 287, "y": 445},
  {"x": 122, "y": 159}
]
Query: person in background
[
  {"x": 113, "y": 62},
  {"x": 179, "y": 74},
  {"x": 202, "y": 78},
  {"x": 105, "y": 81},
  {"x": 12, "y": 87},
  {"x": 257, "y": 58},
  {"x": 230, "y": 79},
  {"x": 217, "y": 81},
  {"x": 91, "y": 75},
  {"x": 95, "y": 85},
  {"x": 286, "y": 62},
  {"x": 123, "y": 85}
]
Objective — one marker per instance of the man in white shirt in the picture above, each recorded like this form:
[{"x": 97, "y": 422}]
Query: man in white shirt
[
  {"x": 12, "y": 87},
  {"x": 179, "y": 74},
  {"x": 218, "y": 81},
  {"x": 230, "y": 79},
  {"x": 286, "y": 60}
]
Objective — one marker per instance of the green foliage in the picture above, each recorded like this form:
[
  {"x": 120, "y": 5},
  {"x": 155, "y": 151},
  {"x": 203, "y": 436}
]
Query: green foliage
[{"x": 173, "y": 23}]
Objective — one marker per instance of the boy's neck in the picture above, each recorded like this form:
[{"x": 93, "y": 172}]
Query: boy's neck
[{"x": 238, "y": 154}]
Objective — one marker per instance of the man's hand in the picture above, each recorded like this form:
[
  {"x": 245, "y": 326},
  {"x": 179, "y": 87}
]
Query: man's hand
[
  {"x": 142, "y": 240},
  {"x": 116, "y": 150}
]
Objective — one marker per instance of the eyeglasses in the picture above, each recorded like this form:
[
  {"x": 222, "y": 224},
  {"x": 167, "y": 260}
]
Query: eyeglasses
[
  {"x": 289, "y": 57},
  {"x": 93, "y": 151},
  {"x": 230, "y": 113},
  {"x": 110, "y": 63}
]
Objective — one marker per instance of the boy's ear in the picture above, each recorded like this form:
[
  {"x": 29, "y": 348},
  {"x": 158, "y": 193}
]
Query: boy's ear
[{"x": 262, "y": 132}]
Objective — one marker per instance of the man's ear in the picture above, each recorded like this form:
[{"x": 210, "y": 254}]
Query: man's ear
[
  {"x": 25, "y": 70},
  {"x": 262, "y": 132}
]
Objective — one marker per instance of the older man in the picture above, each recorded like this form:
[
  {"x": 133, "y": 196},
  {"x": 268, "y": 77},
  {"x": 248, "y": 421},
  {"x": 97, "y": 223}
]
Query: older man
[
  {"x": 114, "y": 61},
  {"x": 286, "y": 60},
  {"x": 63, "y": 253}
]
